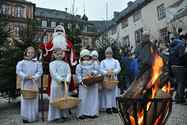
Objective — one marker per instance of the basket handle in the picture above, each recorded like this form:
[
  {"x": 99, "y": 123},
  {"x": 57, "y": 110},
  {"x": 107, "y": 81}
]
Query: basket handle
[
  {"x": 33, "y": 82},
  {"x": 65, "y": 89},
  {"x": 112, "y": 75}
]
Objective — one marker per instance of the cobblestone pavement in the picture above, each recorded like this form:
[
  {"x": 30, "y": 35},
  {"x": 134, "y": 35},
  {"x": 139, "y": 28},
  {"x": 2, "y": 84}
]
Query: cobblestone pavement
[{"x": 10, "y": 115}]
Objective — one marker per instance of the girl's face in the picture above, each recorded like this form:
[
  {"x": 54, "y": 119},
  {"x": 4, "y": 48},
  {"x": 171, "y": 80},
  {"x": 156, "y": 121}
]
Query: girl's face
[
  {"x": 94, "y": 58},
  {"x": 86, "y": 58},
  {"x": 30, "y": 54},
  {"x": 109, "y": 55},
  {"x": 59, "y": 55}
]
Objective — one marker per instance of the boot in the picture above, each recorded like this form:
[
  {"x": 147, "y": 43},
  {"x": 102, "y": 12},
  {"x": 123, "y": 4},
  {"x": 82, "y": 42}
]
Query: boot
[
  {"x": 109, "y": 111},
  {"x": 115, "y": 110}
]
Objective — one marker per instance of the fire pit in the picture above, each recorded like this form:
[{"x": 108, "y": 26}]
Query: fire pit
[
  {"x": 148, "y": 100},
  {"x": 157, "y": 118}
]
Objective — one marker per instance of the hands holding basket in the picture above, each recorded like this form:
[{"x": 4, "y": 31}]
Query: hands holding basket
[
  {"x": 28, "y": 77},
  {"x": 62, "y": 82}
]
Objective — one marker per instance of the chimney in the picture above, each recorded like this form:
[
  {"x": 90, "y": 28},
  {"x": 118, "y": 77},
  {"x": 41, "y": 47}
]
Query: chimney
[
  {"x": 129, "y": 3},
  {"x": 116, "y": 13},
  {"x": 78, "y": 16},
  {"x": 66, "y": 9}
]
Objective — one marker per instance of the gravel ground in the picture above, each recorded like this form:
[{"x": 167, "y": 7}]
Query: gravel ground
[{"x": 10, "y": 115}]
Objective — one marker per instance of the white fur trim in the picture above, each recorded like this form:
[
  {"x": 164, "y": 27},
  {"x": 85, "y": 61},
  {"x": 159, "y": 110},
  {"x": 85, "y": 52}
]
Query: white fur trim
[
  {"x": 71, "y": 59},
  {"x": 73, "y": 63},
  {"x": 59, "y": 26},
  {"x": 47, "y": 51},
  {"x": 73, "y": 92},
  {"x": 86, "y": 63}
]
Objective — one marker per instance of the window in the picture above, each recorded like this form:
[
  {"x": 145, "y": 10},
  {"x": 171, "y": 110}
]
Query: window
[
  {"x": 44, "y": 23},
  {"x": 164, "y": 33},
  {"x": 124, "y": 24},
  {"x": 4, "y": 8},
  {"x": 86, "y": 42},
  {"x": 137, "y": 16},
  {"x": 161, "y": 12},
  {"x": 85, "y": 28},
  {"x": 16, "y": 31},
  {"x": 53, "y": 24},
  {"x": 138, "y": 35},
  {"x": 45, "y": 39},
  {"x": 114, "y": 30},
  {"x": 126, "y": 41},
  {"x": 41, "y": 13},
  {"x": 18, "y": 11},
  {"x": 62, "y": 24},
  {"x": 69, "y": 25}
]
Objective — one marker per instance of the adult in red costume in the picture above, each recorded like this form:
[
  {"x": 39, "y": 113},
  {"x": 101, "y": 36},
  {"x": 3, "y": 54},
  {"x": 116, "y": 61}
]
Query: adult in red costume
[{"x": 59, "y": 41}]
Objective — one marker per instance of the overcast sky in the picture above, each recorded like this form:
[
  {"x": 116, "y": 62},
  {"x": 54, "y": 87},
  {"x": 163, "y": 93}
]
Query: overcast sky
[{"x": 94, "y": 9}]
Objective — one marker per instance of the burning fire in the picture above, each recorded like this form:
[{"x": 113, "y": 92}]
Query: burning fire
[{"x": 157, "y": 70}]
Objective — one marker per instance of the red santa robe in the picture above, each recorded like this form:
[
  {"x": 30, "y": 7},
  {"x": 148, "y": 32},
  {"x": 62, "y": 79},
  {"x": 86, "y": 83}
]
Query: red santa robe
[{"x": 71, "y": 60}]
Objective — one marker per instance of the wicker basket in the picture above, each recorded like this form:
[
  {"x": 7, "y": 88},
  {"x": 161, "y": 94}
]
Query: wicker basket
[
  {"x": 65, "y": 101},
  {"x": 28, "y": 93},
  {"x": 110, "y": 83},
  {"x": 92, "y": 79}
]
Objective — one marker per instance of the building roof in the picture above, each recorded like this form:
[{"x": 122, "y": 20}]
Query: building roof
[
  {"x": 95, "y": 27},
  {"x": 98, "y": 26},
  {"x": 132, "y": 7},
  {"x": 20, "y": 1},
  {"x": 55, "y": 14}
]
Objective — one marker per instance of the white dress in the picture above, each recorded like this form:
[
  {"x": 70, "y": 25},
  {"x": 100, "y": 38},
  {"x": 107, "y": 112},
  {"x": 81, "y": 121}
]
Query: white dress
[
  {"x": 89, "y": 95},
  {"x": 29, "y": 107},
  {"x": 59, "y": 70},
  {"x": 108, "y": 99}
]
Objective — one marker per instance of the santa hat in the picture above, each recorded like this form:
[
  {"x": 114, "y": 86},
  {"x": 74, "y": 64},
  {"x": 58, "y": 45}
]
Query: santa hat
[
  {"x": 84, "y": 53},
  {"x": 59, "y": 27},
  {"x": 108, "y": 50},
  {"x": 94, "y": 53},
  {"x": 73, "y": 59}
]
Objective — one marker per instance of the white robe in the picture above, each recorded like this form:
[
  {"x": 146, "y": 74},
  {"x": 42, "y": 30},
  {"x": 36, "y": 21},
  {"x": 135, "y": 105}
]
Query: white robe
[
  {"x": 108, "y": 99},
  {"x": 29, "y": 107},
  {"x": 89, "y": 95},
  {"x": 59, "y": 70}
]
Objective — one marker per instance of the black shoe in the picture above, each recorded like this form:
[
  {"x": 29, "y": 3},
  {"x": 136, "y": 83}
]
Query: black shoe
[
  {"x": 82, "y": 117},
  {"x": 109, "y": 111},
  {"x": 115, "y": 110},
  {"x": 25, "y": 121}
]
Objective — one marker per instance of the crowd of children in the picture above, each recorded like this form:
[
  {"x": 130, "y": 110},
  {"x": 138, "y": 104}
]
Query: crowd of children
[{"x": 92, "y": 100}]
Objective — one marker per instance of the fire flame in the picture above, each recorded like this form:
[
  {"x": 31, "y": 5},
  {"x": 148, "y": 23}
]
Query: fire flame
[{"x": 157, "y": 70}]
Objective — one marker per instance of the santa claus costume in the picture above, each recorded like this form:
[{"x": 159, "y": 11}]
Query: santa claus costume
[{"x": 59, "y": 41}]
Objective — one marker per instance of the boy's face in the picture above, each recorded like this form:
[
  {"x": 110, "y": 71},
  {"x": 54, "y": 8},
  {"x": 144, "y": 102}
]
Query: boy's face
[
  {"x": 94, "y": 58},
  {"x": 30, "y": 54},
  {"x": 59, "y": 55},
  {"x": 86, "y": 58},
  {"x": 108, "y": 55}
]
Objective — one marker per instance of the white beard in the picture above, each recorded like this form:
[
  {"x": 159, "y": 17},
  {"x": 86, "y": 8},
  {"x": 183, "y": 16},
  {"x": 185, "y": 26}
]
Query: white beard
[{"x": 59, "y": 41}]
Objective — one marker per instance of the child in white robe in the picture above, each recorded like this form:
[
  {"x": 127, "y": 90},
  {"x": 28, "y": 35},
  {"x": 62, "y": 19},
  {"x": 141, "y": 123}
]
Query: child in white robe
[
  {"x": 29, "y": 69},
  {"x": 89, "y": 94},
  {"x": 108, "y": 99},
  {"x": 95, "y": 55},
  {"x": 60, "y": 73}
]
